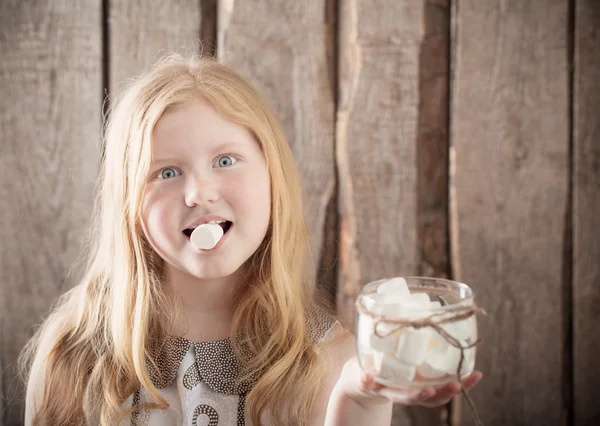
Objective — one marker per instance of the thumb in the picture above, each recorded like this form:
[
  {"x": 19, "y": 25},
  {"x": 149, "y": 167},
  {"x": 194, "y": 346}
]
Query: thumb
[{"x": 368, "y": 383}]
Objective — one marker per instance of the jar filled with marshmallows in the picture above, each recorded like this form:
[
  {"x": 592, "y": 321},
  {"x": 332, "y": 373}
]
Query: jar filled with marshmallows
[{"x": 416, "y": 331}]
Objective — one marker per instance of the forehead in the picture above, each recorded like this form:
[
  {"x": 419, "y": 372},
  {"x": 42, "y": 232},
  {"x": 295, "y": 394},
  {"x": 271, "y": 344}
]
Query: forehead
[{"x": 195, "y": 125}]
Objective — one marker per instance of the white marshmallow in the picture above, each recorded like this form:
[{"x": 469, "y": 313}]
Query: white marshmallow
[
  {"x": 469, "y": 362},
  {"x": 368, "y": 340},
  {"x": 428, "y": 372},
  {"x": 435, "y": 305},
  {"x": 443, "y": 361},
  {"x": 395, "y": 290},
  {"x": 412, "y": 345},
  {"x": 392, "y": 369},
  {"x": 385, "y": 329},
  {"x": 448, "y": 361},
  {"x": 374, "y": 302},
  {"x": 413, "y": 307},
  {"x": 364, "y": 329},
  {"x": 461, "y": 330},
  {"x": 399, "y": 311},
  {"x": 414, "y": 311},
  {"x": 421, "y": 300},
  {"x": 384, "y": 344},
  {"x": 437, "y": 342},
  {"x": 206, "y": 236}
]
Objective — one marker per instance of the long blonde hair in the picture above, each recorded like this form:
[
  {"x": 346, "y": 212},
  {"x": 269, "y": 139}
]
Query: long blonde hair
[{"x": 92, "y": 350}]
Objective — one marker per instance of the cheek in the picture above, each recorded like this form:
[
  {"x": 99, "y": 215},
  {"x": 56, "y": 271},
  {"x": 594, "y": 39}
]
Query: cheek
[
  {"x": 251, "y": 195},
  {"x": 155, "y": 211}
]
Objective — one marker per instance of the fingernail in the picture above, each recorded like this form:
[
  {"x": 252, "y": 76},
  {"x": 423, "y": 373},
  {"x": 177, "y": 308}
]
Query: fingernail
[{"x": 366, "y": 380}]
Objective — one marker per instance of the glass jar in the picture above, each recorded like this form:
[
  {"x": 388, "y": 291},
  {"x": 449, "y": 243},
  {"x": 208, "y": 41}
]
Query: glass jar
[{"x": 415, "y": 331}]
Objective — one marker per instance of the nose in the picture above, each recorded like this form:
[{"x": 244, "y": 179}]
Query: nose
[{"x": 201, "y": 191}]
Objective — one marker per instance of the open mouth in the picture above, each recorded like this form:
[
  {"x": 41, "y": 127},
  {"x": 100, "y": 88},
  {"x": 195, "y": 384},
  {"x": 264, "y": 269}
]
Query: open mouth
[{"x": 226, "y": 225}]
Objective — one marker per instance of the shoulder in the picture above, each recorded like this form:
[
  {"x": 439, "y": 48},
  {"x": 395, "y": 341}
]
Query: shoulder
[
  {"x": 338, "y": 345},
  {"x": 335, "y": 343},
  {"x": 319, "y": 322},
  {"x": 325, "y": 329}
]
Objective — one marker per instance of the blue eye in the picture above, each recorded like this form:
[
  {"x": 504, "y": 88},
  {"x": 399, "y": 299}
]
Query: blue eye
[
  {"x": 226, "y": 161},
  {"x": 168, "y": 173}
]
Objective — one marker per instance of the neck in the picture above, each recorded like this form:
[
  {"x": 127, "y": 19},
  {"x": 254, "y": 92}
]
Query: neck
[{"x": 206, "y": 305}]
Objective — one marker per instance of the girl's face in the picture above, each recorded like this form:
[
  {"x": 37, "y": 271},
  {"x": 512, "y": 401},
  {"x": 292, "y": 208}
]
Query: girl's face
[{"x": 205, "y": 168}]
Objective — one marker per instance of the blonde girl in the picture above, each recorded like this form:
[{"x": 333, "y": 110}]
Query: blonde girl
[{"x": 158, "y": 332}]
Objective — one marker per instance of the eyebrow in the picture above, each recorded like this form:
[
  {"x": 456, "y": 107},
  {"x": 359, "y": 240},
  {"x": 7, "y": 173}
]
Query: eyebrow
[
  {"x": 225, "y": 146},
  {"x": 164, "y": 160}
]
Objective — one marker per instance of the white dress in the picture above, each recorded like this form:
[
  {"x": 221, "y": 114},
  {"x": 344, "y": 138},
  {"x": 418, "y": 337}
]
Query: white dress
[{"x": 198, "y": 381}]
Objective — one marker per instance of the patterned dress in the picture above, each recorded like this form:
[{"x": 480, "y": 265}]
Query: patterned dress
[{"x": 198, "y": 380}]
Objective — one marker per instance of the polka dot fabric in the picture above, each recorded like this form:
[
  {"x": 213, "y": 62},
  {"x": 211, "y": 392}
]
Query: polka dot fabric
[
  {"x": 208, "y": 411},
  {"x": 167, "y": 359},
  {"x": 200, "y": 382},
  {"x": 191, "y": 377}
]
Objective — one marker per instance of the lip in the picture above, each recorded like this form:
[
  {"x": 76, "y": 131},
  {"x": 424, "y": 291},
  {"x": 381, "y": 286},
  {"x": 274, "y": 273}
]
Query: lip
[{"x": 204, "y": 219}]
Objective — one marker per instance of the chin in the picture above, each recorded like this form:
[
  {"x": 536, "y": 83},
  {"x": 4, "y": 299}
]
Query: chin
[{"x": 214, "y": 272}]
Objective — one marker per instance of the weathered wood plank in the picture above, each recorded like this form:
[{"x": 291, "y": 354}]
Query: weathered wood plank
[
  {"x": 432, "y": 142},
  {"x": 282, "y": 47},
  {"x": 141, "y": 31},
  {"x": 586, "y": 208},
  {"x": 208, "y": 31},
  {"x": 377, "y": 120},
  {"x": 50, "y": 115},
  {"x": 509, "y": 177},
  {"x": 2, "y": 396},
  {"x": 392, "y": 98},
  {"x": 327, "y": 272},
  {"x": 432, "y": 161}
]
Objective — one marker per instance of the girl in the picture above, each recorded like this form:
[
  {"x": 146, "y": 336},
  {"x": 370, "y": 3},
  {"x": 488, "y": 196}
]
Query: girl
[{"x": 159, "y": 332}]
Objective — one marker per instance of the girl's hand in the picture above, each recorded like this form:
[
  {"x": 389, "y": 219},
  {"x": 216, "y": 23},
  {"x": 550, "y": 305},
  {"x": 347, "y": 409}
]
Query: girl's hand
[{"x": 361, "y": 387}]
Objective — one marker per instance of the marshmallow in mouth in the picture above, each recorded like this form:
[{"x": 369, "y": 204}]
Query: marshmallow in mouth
[{"x": 208, "y": 235}]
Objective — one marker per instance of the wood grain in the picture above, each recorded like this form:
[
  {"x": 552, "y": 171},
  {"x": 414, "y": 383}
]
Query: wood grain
[
  {"x": 432, "y": 161},
  {"x": 2, "y": 397},
  {"x": 509, "y": 177},
  {"x": 586, "y": 208},
  {"x": 432, "y": 142},
  {"x": 392, "y": 99},
  {"x": 282, "y": 47},
  {"x": 376, "y": 132},
  {"x": 141, "y": 31},
  {"x": 50, "y": 115}
]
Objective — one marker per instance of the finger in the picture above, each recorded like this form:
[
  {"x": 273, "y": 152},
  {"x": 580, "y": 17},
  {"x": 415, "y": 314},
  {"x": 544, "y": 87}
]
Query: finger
[
  {"x": 472, "y": 380},
  {"x": 442, "y": 395},
  {"x": 425, "y": 395},
  {"x": 369, "y": 384},
  {"x": 406, "y": 396},
  {"x": 436, "y": 402},
  {"x": 445, "y": 394}
]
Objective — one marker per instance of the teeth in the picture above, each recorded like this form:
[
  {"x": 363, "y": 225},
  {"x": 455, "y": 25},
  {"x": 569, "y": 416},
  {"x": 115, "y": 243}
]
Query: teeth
[{"x": 211, "y": 221}]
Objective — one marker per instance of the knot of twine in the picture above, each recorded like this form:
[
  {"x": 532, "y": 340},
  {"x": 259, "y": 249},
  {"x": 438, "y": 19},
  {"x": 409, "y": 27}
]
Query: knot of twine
[{"x": 435, "y": 321}]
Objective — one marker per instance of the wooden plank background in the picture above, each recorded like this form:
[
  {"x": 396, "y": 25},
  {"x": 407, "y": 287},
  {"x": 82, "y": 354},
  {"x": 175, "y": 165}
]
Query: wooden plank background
[
  {"x": 434, "y": 137},
  {"x": 140, "y": 31},
  {"x": 50, "y": 116},
  {"x": 586, "y": 212},
  {"x": 510, "y": 137}
]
